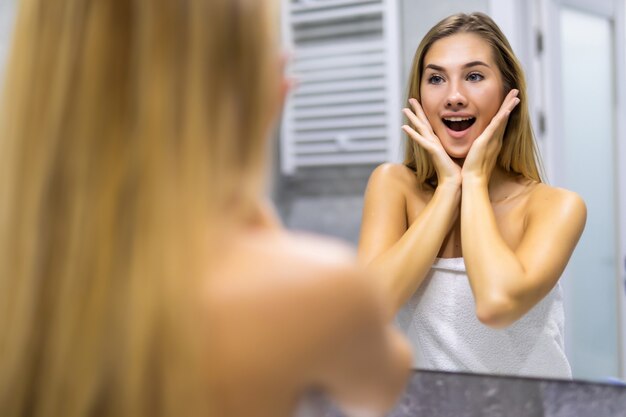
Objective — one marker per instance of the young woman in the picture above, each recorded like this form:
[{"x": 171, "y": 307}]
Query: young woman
[
  {"x": 468, "y": 240},
  {"x": 141, "y": 273}
]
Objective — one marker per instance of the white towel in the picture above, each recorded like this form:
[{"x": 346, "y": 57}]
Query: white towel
[{"x": 440, "y": 321}]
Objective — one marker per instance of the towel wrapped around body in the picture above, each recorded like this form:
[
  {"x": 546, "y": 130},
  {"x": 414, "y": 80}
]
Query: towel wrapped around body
[{"x": 440, "y": 321}]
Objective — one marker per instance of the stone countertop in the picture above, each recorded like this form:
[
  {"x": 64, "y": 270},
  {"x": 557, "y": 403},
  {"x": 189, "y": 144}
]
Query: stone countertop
[{"x": 449, "y": 394}]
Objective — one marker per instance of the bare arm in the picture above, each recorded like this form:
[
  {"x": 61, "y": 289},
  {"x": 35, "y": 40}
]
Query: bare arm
[
  {"x": 506, "y": 283},
  {"x": 400, "y": 256}
]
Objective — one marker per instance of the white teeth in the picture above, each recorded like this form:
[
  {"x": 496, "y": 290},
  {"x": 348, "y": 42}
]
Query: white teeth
[{"x": 457, "y": 119}]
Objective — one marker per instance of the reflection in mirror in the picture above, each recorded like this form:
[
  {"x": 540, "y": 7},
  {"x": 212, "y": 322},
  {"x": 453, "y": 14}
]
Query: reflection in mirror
[
  {"x": 327, "y": 194},
  {"x": 469, "y": 241}
]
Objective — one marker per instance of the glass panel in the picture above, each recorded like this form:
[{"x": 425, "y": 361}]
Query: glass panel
[{"x": 588, "y": 116}]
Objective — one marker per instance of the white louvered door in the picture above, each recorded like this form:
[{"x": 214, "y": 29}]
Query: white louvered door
[{"x": 345, "y": 110}]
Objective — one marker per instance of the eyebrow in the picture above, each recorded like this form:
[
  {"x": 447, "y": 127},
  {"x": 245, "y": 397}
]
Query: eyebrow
[{"x": 468, "y": 65}]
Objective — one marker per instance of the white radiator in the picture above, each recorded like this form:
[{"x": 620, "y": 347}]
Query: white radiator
[{"x": 346, "y": 107}]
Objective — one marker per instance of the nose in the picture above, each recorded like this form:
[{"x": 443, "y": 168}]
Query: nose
[{"x": 456, "y": 99}]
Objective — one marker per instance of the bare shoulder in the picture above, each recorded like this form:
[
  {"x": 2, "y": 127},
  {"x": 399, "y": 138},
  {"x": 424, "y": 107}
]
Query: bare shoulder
[
  {"x": 280, "y": 295},
  {"x": 398, "y": 179},
  {"x": 286, "y": 264},
  {"x": 395, "y": 175},
  {"x": 291, "y": 312},
  {"x": 546, "y": 200}
]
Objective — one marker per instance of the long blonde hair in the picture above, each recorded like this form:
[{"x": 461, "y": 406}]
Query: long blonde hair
[
  {"x": 132, "y": 139},
  {"x": 519, "y": 154}
]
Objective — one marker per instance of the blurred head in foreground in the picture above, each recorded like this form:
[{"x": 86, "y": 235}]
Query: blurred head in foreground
[{"x": 124, "y": 163}]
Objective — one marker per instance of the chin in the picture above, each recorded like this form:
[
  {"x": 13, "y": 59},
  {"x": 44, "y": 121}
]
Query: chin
[
  {"x": 458, "y": 155},
  {"x": 456, "y": 152}
]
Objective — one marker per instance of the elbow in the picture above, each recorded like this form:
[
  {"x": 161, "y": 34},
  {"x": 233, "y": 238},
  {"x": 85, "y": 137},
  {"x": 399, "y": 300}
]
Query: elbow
[{"x": 496, "y": 311}]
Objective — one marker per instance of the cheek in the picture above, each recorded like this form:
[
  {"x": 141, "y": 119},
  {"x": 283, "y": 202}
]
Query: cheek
[{"x": 489, "y": 101}]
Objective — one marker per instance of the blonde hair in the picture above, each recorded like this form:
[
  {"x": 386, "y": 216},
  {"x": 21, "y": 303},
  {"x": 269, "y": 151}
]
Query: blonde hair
[
  {"x": 519, "y": 154},
  {"x": 133, "y": 140}
]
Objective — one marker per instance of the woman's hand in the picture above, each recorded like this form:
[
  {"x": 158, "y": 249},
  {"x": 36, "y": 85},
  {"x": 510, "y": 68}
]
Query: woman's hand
[
  {"x": 483, "y": 154},
  {"x": 422, "y": 133}
]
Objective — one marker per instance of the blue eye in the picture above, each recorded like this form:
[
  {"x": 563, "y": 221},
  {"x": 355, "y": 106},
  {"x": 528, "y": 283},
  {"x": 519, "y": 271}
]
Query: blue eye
[
  {"x": 474, "y": 76},
  {"x": 435, "y": 79}
]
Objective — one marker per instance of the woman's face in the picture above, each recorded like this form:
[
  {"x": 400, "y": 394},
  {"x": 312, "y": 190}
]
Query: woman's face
[{"x": 461, "y": 90}]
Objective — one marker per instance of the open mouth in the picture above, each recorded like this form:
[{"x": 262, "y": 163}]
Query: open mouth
[{"x": 459, "y": 124}]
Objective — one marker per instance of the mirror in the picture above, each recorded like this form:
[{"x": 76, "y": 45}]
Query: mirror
[
  {"x": 556, "y": 42},
  {"x": 573, "y": 107}
]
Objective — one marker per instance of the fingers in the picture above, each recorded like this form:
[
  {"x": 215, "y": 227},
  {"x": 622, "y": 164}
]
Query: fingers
[
  {"x": 413, "y": 119},
  {"x": 417, "y": 108},
  {"x": 425, "y": 142},
  {"x": 502, "y": 116},
  {"x": 509, "y": 103},
  {"x": 415, "y": 136},
  {"x": 418, "y": 116},
  {"x": 421, "y": 131}
]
